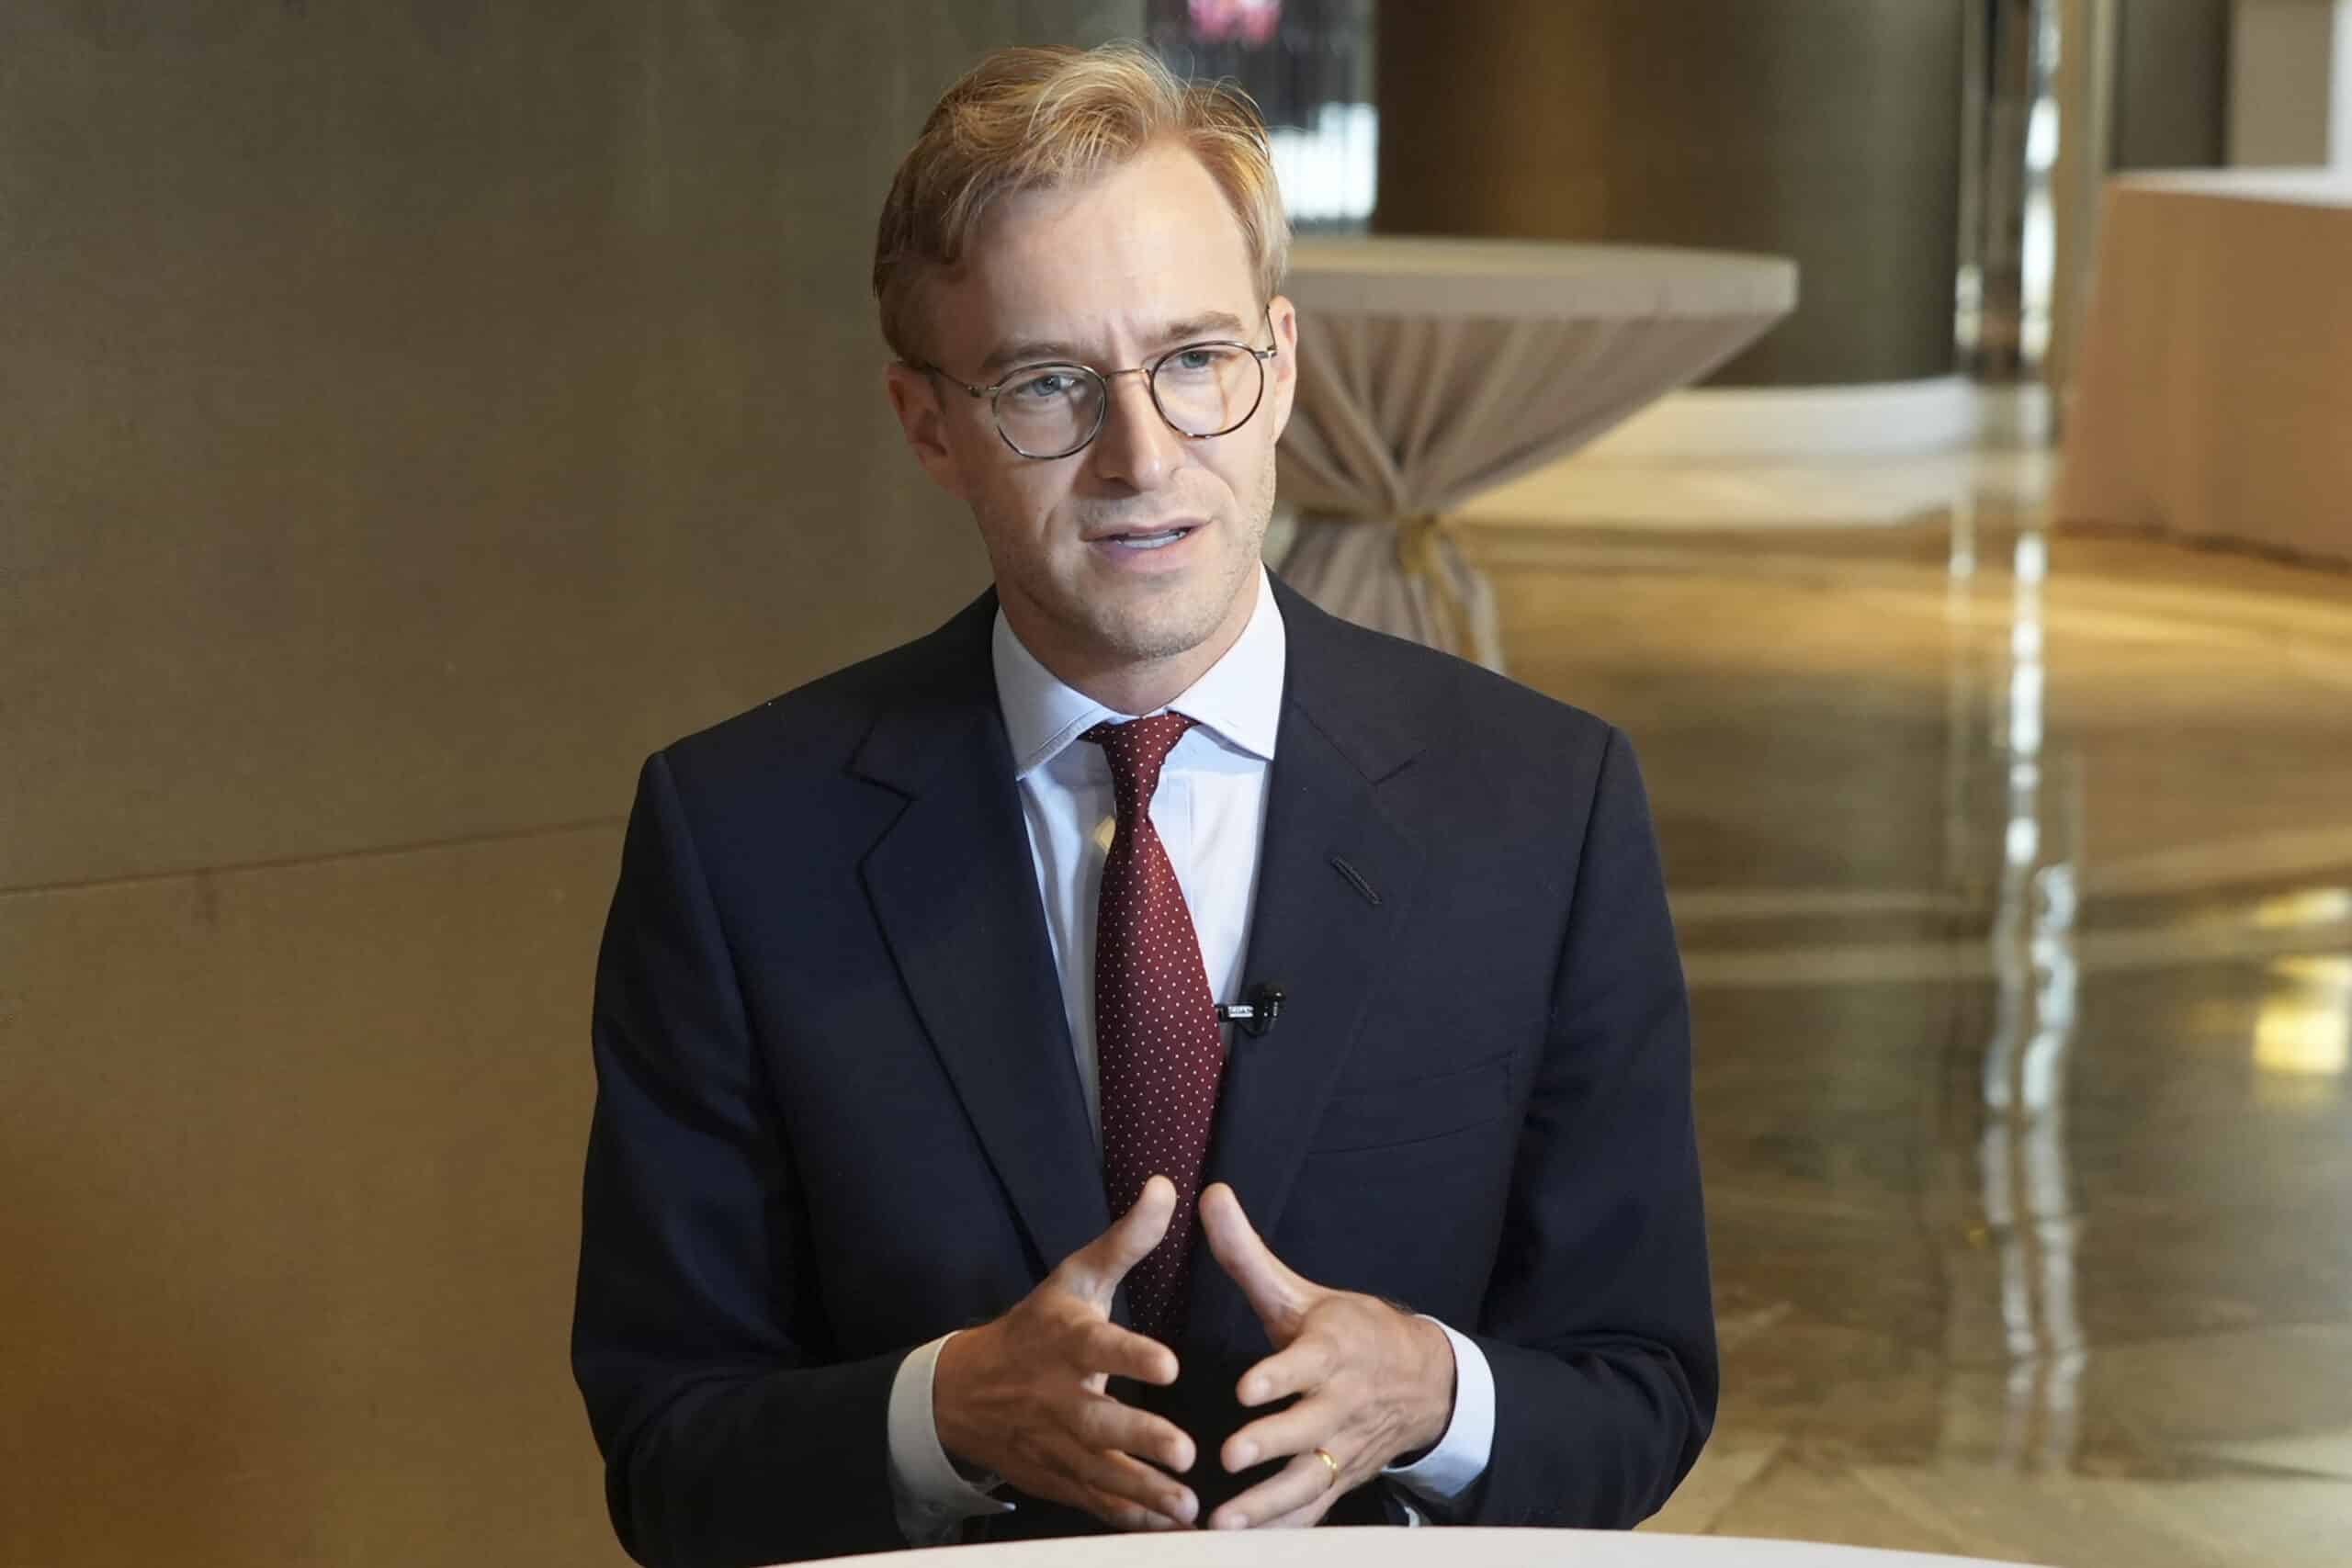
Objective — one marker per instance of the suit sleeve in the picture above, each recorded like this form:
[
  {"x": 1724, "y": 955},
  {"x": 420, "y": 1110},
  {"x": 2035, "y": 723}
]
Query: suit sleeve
[
  {"x": 1598, "y": 1321},
  {"x": 727, "y": 1438}
]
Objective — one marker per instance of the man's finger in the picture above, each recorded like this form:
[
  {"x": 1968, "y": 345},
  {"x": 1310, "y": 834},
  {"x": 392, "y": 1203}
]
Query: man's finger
[
  {"x": 1135, "y": 1484},
  {"x": 1096, "y": 1268},
  {"x": 1105, "y": 1425},
  {"x": 1307, "y": 1365},
  {"x": 1120, "y": 1513},
  {"x": 1275, "y": 1293},
  {"x": 1303, "y": 1480},
  {"x": 1302, "y": 1519},
  {"x": 1122, "y": 1352},
  {"x": 1295, "y": 1430}
]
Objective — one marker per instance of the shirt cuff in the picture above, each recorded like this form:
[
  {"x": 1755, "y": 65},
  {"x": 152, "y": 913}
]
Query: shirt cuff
[
  {"x": 1448, "y": 1469},
  {"x": 930, "y": 1495}
]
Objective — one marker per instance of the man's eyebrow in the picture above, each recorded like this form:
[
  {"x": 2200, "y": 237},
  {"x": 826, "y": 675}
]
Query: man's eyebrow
[
  {"x": 1218, "y": 325},
  {"x": 1028, "y": 351},
  {"x": 1221, "y": 325}
]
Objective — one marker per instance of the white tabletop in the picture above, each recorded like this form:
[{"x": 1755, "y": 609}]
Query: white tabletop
[
  {"x": 1407, "y": 275},
  {"x": 2297, "y": 188},
  {"x": 1374, "y": 1548}
]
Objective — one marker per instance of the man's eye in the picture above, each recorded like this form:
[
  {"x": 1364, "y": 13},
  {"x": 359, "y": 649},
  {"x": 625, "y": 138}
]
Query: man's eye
[
  {"x": 1193, "y": 360},
  {"x": 1047, "y": 387}
]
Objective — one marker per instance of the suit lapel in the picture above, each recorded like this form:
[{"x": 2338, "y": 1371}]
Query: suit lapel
[
  {"x": 955, "y": 892},
  {"x": 1316, "y": 930}
]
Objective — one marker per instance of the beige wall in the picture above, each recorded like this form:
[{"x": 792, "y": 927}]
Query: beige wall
[
  {"x": 2172, "y": 84},
  {"x": 1824, "y": 129},
  {"x": 413, "y": 412},
  {"x": 2291, "y": 83},
  {"x": 410, "y": 413}
]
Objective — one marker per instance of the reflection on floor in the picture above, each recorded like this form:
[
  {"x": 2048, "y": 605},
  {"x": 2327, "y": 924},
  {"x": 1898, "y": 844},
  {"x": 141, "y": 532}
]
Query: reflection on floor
[
  {"x": 2015, "y": 881},
  {"x": 1755, "y": 492}
]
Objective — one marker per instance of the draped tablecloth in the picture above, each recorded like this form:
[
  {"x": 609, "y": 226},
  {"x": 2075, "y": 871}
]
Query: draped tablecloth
[
  {"x": 2213, "y": 394},
  {"x": 1431, "y": 369}
]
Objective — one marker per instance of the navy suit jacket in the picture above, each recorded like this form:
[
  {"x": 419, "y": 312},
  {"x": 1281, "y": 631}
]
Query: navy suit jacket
[{"x": 838, "y": 1112}]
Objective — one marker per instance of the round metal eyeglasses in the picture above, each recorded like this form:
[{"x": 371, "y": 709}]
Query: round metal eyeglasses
[{"x": 1049, "y": 410}]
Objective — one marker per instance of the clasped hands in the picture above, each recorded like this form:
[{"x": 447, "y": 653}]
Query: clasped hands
[{"x": 1025, "y": 1396}]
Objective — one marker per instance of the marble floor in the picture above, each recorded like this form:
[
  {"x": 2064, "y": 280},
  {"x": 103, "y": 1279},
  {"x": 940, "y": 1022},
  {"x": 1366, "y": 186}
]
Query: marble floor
[{"x": 2015, "y": 878}]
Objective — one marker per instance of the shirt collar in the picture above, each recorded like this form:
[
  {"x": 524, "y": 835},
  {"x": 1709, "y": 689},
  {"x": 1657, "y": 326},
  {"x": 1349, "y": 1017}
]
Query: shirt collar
[{"x": 1239, "y": 699}]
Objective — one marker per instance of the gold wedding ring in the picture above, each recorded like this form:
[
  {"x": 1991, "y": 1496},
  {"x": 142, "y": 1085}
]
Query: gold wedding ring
[{"x": 1327, "y": 1459}]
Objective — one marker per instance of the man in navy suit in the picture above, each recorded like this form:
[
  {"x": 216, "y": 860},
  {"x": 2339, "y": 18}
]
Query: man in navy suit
[{"x": 929, "y": 1194}]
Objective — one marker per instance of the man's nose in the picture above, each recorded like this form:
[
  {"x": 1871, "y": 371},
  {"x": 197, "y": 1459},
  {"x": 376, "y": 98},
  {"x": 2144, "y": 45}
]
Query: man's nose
[{"x": 1136, "y": 447}]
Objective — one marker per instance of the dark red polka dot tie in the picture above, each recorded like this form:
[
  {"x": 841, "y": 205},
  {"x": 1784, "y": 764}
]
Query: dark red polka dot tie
[{"x": 1156, "y": 1039}]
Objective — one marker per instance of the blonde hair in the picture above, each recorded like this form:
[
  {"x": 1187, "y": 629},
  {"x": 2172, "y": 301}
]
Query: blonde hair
[{"x": 1025, "y": 118}]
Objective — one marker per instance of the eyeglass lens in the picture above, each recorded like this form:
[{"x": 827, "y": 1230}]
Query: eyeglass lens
[{"x": 1204, "y": 391}]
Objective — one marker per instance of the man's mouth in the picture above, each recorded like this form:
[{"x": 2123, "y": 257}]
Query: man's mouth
[{"x": 1138, "y": 539}]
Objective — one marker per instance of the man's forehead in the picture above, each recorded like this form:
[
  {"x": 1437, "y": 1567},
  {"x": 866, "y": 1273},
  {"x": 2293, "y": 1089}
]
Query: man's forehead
[{"x": 1147, "y": 251}]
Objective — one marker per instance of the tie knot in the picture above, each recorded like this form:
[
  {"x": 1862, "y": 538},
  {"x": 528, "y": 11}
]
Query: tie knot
[{"x": 1135, "y": 750}]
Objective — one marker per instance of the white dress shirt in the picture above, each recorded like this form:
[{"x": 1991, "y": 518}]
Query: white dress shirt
[{"x": 1210, "y": 812}]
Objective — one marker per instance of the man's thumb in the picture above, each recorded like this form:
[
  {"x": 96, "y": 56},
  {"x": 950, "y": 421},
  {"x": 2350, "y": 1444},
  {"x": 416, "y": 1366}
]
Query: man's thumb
[
  {"x": 1244, "y": 1255},
  {"x": 1130, "y": 1240}
]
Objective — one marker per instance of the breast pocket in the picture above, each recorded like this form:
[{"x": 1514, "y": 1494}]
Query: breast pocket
[{"x": 1374, "y": 1116}]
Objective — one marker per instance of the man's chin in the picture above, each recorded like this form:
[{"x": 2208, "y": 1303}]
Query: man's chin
[
  {"x": 1141, "y": 642},
  {"x": 1145, "y": 620}
]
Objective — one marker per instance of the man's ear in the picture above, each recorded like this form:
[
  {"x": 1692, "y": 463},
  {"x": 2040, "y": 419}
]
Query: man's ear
[
  {"x": 1283, "y": 374},
  {"x": 914, "y": 397}
]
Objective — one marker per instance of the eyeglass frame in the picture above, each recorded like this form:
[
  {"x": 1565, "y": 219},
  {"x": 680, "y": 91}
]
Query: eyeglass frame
[{"x": 1148, "y": 370}]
